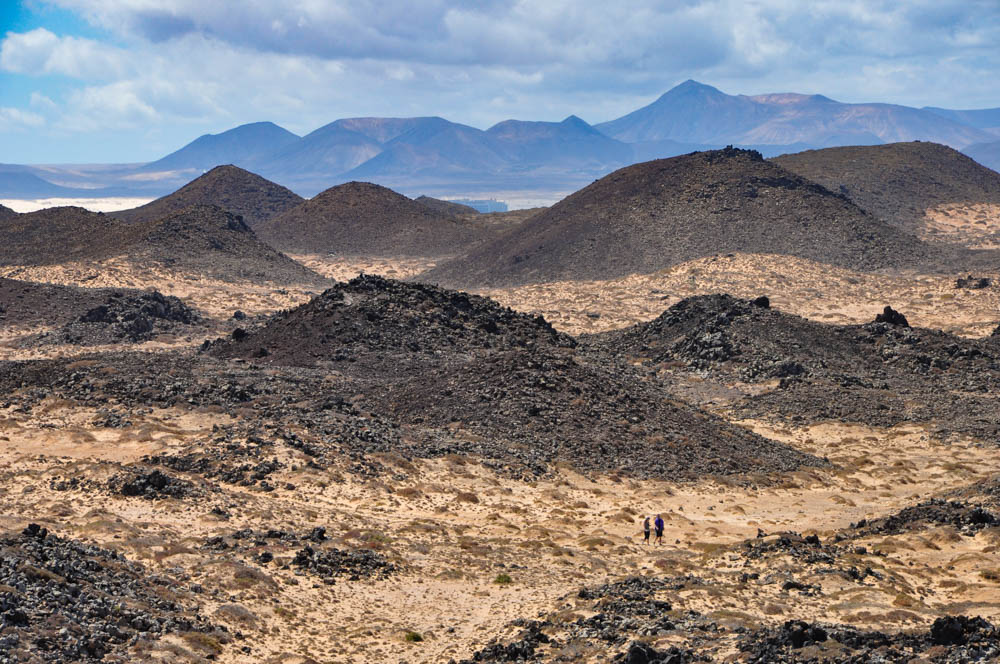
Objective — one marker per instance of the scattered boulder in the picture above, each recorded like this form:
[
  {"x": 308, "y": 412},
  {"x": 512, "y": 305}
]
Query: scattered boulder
[
  {"x": 128, "y": 317},
  {"x": 891, "y": 317},
  {"x": 151, "y": 485},
  {"x": 973, "y": 283},
  {"x": 329, "y": 564}
]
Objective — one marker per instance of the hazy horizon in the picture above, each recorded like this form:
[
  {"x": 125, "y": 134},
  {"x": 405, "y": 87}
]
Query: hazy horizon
[{"x": 121, "y": 82}]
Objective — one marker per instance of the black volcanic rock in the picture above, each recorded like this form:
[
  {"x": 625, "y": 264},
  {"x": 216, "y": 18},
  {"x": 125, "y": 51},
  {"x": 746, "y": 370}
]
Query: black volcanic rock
[
  {"x": 650, "y": 216},
  {"x": 231, "y": 188},
  {"x": 374, "y": 321},
  {"x": 364, "y": 219},
  {"x": 67, "y": 601},
  {"x": 891, "y": 317},
  {"x": 878, "y": 373},
  {"x": 542, "y": 406},
  {"x": 127, "y": 317}
]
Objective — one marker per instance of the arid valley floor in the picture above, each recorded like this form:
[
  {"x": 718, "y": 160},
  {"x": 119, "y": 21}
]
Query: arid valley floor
[{"x": 394, "y": 472}]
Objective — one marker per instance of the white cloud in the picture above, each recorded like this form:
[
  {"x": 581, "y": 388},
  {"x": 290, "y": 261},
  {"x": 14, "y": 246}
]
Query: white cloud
[
  {"x": 40, "y": 52},
  {"x": 14, "y": 119},
  {"x": 194, "y": 66}
]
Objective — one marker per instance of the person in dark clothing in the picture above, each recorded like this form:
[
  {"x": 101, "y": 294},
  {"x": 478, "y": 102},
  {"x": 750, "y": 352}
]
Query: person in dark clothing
[
  {"x": 645, "y": 530},
  {"x": 659, "y": 529}
]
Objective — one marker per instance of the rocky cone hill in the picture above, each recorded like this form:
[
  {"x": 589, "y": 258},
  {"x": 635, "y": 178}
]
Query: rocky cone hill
[
  {"x": 374, "y": 322},
  {"x": 899, "y": 181},
  {"x": 6, "y": 212},
  {"x": 880, "y": 373},
  {"x": 649, "y": 216},
  {"x": 364, "y": 219},
  {"x": 231, "y": 188},
  {"x": 376, "y": 366},
  {"x": 207, "y": 240}
]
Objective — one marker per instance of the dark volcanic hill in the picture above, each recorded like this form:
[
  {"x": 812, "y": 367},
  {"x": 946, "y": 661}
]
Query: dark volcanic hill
[
  {"x": 61, "y": 234},
  {"x": 879, "y": 373},
  {"x": 435, "y": 359},
  {"x": 364, "y": 219},
  {"x": 210, "y": 241},
  {"x": 650, "y": 216},
  {"x": 446, "y": 207},
  {"x": 899, "y": 181},
  {"x": 230, "y": 188},
  {"x": 376, "y": 322},
  {"x": 7, "y": 213}
]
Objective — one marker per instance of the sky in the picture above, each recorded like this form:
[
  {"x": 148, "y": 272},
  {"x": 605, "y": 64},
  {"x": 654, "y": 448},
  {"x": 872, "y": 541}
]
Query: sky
[{"x": 117, "y": 81}]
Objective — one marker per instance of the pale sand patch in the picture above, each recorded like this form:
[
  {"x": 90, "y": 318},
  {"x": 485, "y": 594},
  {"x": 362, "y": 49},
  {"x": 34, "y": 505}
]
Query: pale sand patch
[
  {"x": 346, "y": 268},
  {"x": 92, "y": 204},
  {"x": 453, "y": 526},
  {"x": 976, "y": 225},
  {"x": 806, "y": 288}
]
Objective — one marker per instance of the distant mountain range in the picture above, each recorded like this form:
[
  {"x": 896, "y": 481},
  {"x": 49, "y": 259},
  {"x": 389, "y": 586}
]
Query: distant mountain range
[{"x": 436, "y": 156}]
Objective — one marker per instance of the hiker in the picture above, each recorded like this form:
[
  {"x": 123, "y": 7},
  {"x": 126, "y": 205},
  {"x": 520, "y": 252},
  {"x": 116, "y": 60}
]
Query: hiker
[
  {"x": 659, "y": 529},
  {"x": 645, "y": 530}
]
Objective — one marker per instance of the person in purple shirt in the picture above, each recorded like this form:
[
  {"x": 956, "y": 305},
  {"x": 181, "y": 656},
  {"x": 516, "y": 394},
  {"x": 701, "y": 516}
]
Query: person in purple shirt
[{"x": 658, "y": 524}]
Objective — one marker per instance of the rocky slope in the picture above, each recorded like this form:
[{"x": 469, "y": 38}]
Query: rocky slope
[
  {"x": 202, "y": 240},
  {"x": 882, "y": 373},
  {"x": 649, "y": 216},
  {"x": 61, "y": 234},
  {"x": 372, "y": 322},
  {"x": 900, "y": 181},
  {"x": 207, "y": 240},
  {"x": 89, "y": 316}
]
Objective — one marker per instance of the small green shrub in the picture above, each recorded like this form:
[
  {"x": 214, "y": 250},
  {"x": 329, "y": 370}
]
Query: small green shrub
[
  {"x": 413, "y": 637},
  {"x": 503, "y": 579}
]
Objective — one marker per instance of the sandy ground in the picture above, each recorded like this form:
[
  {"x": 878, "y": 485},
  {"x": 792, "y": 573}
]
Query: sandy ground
[
  {"x": 453, "y": 526},
  {"x": 92, "y": 204},
  {"x": 217, "y": 298},
  {"x": 812, "y": 290},
  {"x": 806, "y": 288},
  {"x": 975, "y": 225}
]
